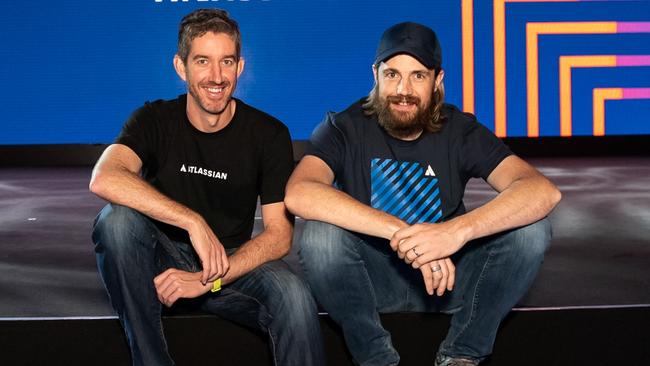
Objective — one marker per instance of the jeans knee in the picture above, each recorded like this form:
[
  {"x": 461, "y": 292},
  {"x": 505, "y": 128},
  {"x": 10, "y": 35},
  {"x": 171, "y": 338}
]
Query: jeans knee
[
  {"x": 293, "y": 299},
  {"x": 323, "y": 246},
  {"x": 117, "y": 227},
  {"x": 533, "y": 240},
  {"x": 297, "y": 294}
]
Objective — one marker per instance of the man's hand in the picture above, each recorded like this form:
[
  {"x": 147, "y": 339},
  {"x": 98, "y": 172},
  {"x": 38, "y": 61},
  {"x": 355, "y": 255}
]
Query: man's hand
[
  {"x": 211, "y": 253},
  {"x": 174, "y": 284},
  {"x": 423, "y": 243},
  {"x": 439, "y": 275}
]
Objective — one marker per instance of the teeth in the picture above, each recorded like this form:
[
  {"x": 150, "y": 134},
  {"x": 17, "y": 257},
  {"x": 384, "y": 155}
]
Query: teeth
[{"x": 215, "y": 90}]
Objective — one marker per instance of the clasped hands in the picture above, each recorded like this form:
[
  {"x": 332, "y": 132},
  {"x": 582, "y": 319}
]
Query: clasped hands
[{"x": 427, "y": 247}]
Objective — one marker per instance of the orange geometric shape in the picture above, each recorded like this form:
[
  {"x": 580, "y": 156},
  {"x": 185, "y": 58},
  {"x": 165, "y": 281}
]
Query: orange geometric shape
[
  {"x": 599, "y": 97},
  {"x": 467, "y": 8},
  {"x": 567, "y": 63},
  {"x": 500, "y": 121},
  {"x": 533, "y": 30},
  {"x": 499, "y": 15}
]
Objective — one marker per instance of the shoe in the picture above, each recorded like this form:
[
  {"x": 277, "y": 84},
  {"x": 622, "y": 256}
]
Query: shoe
[{"x": 442, "y": 360}]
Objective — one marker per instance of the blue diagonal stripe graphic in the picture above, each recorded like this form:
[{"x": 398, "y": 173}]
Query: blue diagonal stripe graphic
[
  {"x": 414, "y": 186},
  {"x": 403, "y": 190},
  {"x": 432, "y": 211},
  {"x": 416, "y": 205},
  {"x": 416, "y": 215},
  {"x": 388, "y": 180},
  {"x": 396, "y": 187}
]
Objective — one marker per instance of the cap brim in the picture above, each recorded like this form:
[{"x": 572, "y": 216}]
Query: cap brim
[{"x": 402, "y": 50}]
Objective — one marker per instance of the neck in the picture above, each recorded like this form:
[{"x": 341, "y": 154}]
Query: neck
[
  {"x": 410, "y": 137},
  {"x": 210, "y": 122}
]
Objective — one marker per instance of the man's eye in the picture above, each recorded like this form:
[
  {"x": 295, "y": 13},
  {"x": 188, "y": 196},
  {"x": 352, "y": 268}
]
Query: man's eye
[{"x": 228, "y": 62}]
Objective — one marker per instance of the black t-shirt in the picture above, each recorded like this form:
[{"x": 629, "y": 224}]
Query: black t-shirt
[
  {"x": 418, "y": 181},
  {"x": 220, "y": 175}
]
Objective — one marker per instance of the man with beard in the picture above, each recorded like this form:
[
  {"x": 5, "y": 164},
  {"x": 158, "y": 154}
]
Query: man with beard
[
  {"x": 382, "y": 189},
  {"x": 183, "y": 180}
]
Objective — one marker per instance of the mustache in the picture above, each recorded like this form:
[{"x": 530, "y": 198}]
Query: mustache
[
  {"x": 411, "y": 99},
  {"x": 212, "y": 84}
]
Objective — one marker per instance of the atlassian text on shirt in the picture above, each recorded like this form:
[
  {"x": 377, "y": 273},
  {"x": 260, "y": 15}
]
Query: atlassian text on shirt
[{"x": 203, "y": 171}]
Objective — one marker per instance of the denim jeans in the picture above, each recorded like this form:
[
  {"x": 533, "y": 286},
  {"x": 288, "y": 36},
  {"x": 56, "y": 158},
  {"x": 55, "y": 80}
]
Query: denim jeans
[
  {"x": 131, "y": 251},
  {"x": 355, "y": 278}
]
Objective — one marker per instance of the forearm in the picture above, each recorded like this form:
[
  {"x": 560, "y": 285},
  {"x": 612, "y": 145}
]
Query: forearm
[
  {"x": 523, "y": 202},
  {"x": 269, "y": 245},
  {"x": 318, "y": 201},
  {"x": 123, "y": 187}
]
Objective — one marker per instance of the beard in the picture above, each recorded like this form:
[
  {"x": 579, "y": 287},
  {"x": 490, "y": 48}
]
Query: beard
[
  {"x": 210, "y": 106},
  {"x": 403, "y": 124}
]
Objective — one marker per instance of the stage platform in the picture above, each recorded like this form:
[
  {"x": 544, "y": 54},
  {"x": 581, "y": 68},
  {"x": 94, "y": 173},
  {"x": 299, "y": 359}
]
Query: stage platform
[{"x": 589, "y": 305}]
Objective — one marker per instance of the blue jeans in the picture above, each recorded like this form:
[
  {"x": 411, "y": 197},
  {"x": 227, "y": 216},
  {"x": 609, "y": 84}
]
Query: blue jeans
[
  {"x": 131, "y": 251},
  {"x": 355, "y": 278}
]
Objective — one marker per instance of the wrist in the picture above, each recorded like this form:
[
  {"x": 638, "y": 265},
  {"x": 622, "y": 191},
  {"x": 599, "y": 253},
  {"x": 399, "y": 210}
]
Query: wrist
[
  {"x": 394, "y": 226},
  {"x": 463, "y": 229},
  {"x": 192, "y": 221}
]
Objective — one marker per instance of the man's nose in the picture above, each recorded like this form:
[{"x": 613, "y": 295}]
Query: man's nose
[
  {"x": 216, "y": 74},
  {"x": 404, "y": 87}
]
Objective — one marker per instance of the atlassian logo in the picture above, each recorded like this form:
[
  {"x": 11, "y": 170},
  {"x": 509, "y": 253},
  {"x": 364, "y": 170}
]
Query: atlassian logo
[
  {"x": 430, "y": 172},
  {"x": 202, "y": 171}
]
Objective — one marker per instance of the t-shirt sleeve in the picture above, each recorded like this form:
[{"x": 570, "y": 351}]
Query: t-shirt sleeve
[
  {"x": 328, "y": 144},
  {"x": 140, "y": 133},
  {"x": 481, "y": 151},
  {"x": 277, "y": 165}
]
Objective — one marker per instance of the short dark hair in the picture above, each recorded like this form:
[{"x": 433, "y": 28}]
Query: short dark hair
[{"x": 202, "y": 21}]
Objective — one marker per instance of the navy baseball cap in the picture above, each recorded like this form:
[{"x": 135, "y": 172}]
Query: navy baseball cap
[{"x": 413, "y": 39}]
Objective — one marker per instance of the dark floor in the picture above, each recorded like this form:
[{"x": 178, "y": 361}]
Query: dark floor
[{"x": 600, "y": 254}]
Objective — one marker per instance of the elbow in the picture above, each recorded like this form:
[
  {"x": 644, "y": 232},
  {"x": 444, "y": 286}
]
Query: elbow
[
  {"x": 557, "y": 196},
  {"x": 292, "y": 199},
  {"x": 554, "y": 196},
  {"x": 97, "y": 184}
]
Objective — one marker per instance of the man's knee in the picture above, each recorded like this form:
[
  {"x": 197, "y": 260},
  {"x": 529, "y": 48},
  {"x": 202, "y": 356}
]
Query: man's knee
[
  {"x": 288, "y": 295},
  {"x": 296, "y": 294},
  {"x": 322, "y": 245},
  {"x": 116, "y": 227},
  {"x": 532, "y": 241}
]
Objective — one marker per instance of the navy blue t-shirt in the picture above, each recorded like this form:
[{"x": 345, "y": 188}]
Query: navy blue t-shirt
[
  {"x": 418, "y": 181},
  {"x": 220, "y": 175}
]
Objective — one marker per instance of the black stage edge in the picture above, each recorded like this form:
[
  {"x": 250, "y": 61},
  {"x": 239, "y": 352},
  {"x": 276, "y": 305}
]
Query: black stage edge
[
  {"x": 87, "y": 154},
  {"x": 604, "y": 336}
]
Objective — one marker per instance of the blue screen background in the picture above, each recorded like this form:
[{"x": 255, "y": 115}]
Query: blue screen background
[{"x": 72, "y": 71}]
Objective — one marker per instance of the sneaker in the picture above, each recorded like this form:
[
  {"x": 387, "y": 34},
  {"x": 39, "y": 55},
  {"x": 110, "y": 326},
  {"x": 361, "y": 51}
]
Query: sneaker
[{"x": 442, "y": 360}]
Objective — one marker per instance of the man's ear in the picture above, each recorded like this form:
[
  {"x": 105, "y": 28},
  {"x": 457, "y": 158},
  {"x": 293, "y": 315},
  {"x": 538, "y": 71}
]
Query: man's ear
[
  {"x": 441, "y": 75},
  {"x": 240, "y": 66},
  {"x": 179, "y": 66}
]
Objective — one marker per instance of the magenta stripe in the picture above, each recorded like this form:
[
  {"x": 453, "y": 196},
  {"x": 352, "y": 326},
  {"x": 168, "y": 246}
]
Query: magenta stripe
[
  {"x": 636, "y": 60},
  {"x": 636, "y": 93},
  {"x": 632, "y": 27}
]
